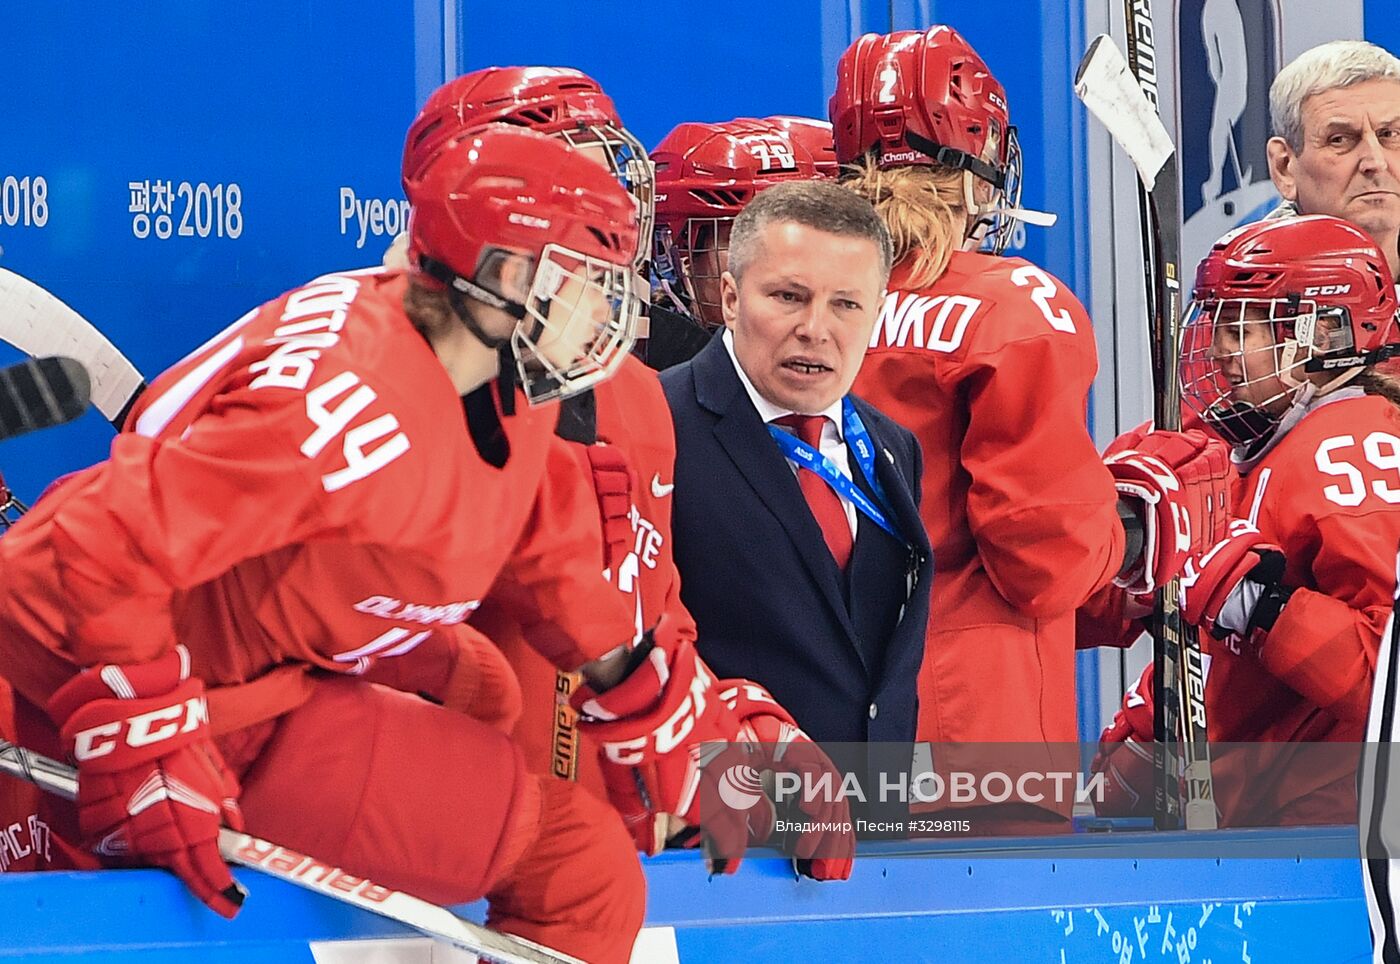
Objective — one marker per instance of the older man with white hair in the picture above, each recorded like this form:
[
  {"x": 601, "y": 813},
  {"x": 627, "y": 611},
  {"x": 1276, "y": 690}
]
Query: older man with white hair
[{"x": 1336, "y": 146}]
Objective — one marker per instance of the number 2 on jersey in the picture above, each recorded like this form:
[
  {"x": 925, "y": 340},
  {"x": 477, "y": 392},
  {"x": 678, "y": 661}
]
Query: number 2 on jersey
[{"x": 1045, "y": 289}]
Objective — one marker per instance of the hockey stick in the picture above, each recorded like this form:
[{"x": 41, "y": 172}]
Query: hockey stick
[
  {"x": 1123, "y": 98},
  {"x": 1374, "y": 777},
  {"x": 303, "y": 871},
  {"x": 37, "y": 323}
]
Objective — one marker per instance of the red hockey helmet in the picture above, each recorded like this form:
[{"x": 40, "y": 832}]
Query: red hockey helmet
[
  {"x": 558, "y": 101},
  {"x": 916, "y": 98},
  {"x": 705, "y": 174},
  {"x": 502, "y": 190},
  {"x": 813, "y": 134},
  {"x": 1277, "y": 299}
]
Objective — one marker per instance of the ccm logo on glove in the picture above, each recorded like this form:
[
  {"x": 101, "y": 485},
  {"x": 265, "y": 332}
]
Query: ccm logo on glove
[
  {"x": 143, "y": 729},
  {"x": 671, "y": 733}
]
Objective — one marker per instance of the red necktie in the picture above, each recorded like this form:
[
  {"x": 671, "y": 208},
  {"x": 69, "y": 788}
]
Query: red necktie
[{"x": 821, "y": 498}]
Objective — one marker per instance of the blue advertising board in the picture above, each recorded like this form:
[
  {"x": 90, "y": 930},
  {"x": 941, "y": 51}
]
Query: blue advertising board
[
  {"x": 1272, "y": 897},
  {"x": 168, "y": 165}
]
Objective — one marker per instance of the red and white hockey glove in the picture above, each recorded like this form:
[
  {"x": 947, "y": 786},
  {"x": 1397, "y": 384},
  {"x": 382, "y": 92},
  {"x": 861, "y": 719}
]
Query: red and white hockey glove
[
  {"x": 661, "y": 732},
  {"x": 152, "y": 788},
  {"x": 613, "y": 482},
  {"x": 1235, "y": 589},
  {"x": 826, "y": 851},
  {"x": 1125, "y": 755},
  {"x": 1178, "y": 485}
]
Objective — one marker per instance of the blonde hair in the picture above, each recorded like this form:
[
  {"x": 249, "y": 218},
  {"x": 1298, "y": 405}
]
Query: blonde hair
[{"x": 924, "y": 209}]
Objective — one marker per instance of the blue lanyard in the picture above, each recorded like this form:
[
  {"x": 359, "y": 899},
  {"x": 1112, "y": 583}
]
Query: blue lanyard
[{"x": 858, "y": 442}]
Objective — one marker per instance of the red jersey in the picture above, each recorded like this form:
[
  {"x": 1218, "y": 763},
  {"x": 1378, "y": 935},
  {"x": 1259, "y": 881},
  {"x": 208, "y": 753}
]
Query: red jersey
[
  {"x": 300, "y": 493},
  {"x": 632, "y": 415},
  {"x": 1327, "y": 494},
  {"x": 991, "y": 369}
]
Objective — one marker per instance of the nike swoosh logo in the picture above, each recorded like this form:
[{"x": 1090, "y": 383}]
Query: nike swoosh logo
[{"x": 659, "y": 490}]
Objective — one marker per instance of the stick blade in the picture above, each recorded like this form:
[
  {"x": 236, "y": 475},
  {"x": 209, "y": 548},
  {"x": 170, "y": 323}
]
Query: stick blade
[
  {"x": 1108, "y": 89},
  {"x": 40, "y": 393},
  {"x": 38, "y": 324}
]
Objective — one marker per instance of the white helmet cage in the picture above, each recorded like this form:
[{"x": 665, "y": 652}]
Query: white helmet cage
[{"x": 1224, "y": 359}]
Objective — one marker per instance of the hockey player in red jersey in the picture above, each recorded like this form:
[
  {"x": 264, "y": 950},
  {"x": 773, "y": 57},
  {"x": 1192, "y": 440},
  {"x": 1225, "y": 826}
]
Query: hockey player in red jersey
[
  {"x": 989, "y": 360},
  {"x": 1288, "y": 319},
  {"x": 559, "y": 101},
  {"x": 567, "y": 104},
  {"x": 705, "y": 174},
  {"x": 332, "y": 483},
  {"x": 630, "y": 467}
]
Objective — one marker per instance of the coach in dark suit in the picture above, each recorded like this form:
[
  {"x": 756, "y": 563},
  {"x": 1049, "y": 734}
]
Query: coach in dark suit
[{"x": 814, "y": 585}]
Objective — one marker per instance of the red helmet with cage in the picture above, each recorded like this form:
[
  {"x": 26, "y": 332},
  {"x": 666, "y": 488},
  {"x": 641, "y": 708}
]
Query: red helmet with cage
[
  {"x": 558, "y": 101},
  {"x": 705, "y": 174},
  {"x": 1273, "y": 302},
  {"x": 916, "y": 98},
  {"x": 502, "y": 191},
  {"x": 815, "y": 135}
]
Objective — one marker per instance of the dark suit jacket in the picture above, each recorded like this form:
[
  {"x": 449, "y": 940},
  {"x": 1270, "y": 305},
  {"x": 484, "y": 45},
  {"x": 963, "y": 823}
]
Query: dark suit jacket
[{"x": 840, "y": 651}]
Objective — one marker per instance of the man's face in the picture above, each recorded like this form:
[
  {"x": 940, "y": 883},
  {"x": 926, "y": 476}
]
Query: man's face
[
  {"x": 1349, "y": 166},
  {"x": 803, "y": 313}
]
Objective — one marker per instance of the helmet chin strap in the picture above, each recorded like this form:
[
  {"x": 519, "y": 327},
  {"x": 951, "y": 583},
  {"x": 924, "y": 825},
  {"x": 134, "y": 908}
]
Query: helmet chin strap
[
  {"x": 468, "y": 318},
  {"x": 1288, "y": 361},
  {"x": 1336, "y": 383},
  {"x": 980, "y": 219},
  {"x": 506, "y": 376},
  {"x": 507, "y": 379},
  {"x": 459, "y": 290}
]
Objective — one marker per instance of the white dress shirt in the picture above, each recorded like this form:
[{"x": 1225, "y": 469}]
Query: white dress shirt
[{"x": 833, "y": 431}]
